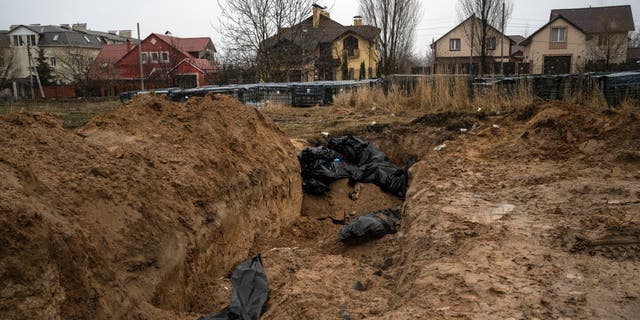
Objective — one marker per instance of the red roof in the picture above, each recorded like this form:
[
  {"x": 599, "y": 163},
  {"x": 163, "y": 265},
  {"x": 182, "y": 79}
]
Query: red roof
[
  {"x": 186, "y": 44},
  {"x": 112, "y": 52},
  {"x": 203, "y": 64}
]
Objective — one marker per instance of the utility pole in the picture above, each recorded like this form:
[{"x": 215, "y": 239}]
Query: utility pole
[
  {"x": 33, "y": 95},
  {"x": 473, "y": 24},
  {"x": 140, "y": 58},
  {"x": 502, "y": 43}
]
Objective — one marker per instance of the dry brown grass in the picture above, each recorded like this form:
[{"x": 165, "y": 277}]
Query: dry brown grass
[{"x": 435, "y": 95}]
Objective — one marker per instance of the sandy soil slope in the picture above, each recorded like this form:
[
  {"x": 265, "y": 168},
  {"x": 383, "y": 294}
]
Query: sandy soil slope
[{"x": 142, "y": 210}]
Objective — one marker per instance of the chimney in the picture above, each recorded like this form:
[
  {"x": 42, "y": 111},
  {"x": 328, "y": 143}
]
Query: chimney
[
  {"x": 317, "y": 12},
  {"x": 114, "y": 32},
  {"x": 357, "y": 21},
  {"x": 125, "y": 33},
  {"x": 79, "y": 27},
  {"x": 130, "y": 45}
]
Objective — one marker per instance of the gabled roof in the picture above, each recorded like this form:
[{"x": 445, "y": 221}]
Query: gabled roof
[
  {"x": 528, "y": 39},
  {"x": 186, "y": 44},
  {"x": 598, "y": 19},
  {"x": 327, "y": 31},
  {"x": 516, "y": 39},
  {"x": 462, "y": 23},
  {"x": 203, "y": 65}
]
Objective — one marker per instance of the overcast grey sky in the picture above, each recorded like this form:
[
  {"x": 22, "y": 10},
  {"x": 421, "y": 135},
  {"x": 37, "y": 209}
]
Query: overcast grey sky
[{"x": 196, "y": 17}]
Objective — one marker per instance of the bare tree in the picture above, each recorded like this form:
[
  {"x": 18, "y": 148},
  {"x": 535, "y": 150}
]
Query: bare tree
[
  {"x": 607, "y": 49},
  {"x": 489, "y": 14},
  {"x": 73, "y": 65},
  {"x": 397, "y": 20},
  {"x": 634, "y": 37},
  {"x": 429, "y": 57},
  {"x": 247, "y": 24},
  {"x": 7, "y": 66}
]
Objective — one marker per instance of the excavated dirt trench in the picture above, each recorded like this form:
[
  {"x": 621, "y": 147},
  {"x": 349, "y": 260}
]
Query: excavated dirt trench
[{"x": 529, "y": 215}]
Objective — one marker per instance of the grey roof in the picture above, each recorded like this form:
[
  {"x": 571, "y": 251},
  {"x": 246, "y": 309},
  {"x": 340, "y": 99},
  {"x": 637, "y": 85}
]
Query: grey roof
[
  {"x": 55, "y": 36},
  {"x": 598, "y": 19},
  {"x": 327, "y": 31},
  {"x": 69, "y": 38},
  {"x": 4, "y": 38},
  {"x": 110, "y": 36}
]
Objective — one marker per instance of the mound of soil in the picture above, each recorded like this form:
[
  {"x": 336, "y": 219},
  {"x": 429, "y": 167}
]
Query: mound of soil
[
  {"x": 139, "y": 213},
  {"x": 560, "y": 131}
]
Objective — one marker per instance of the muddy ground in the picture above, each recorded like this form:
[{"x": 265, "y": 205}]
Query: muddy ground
[
  {"x": 532, "y": 214},
  {"x": 528, "y": 214}
]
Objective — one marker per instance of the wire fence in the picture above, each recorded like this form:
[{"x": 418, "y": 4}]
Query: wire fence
[
  {"x": 615, "y": 87},
  {"x": 292, "y": 93}
]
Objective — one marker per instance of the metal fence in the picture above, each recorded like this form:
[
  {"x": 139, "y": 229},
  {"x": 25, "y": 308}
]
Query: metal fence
[{"x": 292, "y": 93}]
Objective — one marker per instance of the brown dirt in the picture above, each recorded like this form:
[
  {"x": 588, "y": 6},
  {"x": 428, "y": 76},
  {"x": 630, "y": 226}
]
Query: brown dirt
[
  {"x": 532, "y": 215},
  {"x": 535, "y": 217},
  {"x": 140, "y": 213}
]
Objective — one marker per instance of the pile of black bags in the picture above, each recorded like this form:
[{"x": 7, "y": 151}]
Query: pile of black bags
[{"x": 353, "y": 158}]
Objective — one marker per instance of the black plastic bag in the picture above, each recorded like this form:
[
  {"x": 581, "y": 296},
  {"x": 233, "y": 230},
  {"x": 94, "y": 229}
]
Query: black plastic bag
[
  {"x": 353, "y": 158},
  {"x": 321, "y": 166},
  {"x": 371, "y": 226},
  {"x": 356, "y": 150},
  {"x": 250, "y": 292}
]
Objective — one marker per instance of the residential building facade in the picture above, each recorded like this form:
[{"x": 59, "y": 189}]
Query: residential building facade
[
  {"x": 68, "y": 49},
  {"x": 167, "y": 61},
  {"x": 455, "y": 53},
  {"x": 575, "y": 38},
  {"x": 320, "y": 48}
]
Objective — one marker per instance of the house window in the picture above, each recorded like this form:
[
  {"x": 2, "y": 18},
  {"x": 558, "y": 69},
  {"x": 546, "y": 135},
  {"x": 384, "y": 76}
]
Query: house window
[
  {"x": 165, "y": 56},
  {"x": 350, "y": 44},
  {"x": 491, "y": 43},
  {"x": 558, "y": 35},
  {"x": 145, "y": 57},
  {"x": 31, "y": 40},
  {"x": 18, "y": 41},
  {"x": 53, "y": 62},
  {"x": 603, "y": 40},
  {"x": 87, "y": 38},
  {"x": 154, "y": 57},
  {"x": 55, "y": 37},
  {"x": 454, "y": 44}
]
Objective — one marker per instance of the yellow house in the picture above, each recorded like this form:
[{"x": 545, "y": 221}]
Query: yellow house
[
  {"x": 319, "y": 48},
  {"x": 574, "y": 37}
]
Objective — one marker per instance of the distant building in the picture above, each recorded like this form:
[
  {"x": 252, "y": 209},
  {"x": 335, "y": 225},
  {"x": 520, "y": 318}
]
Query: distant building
[
  {"x": 319, "y": 48},
  {"x": 452, "y": 52},
  {"x": 68, "y": 49},
  {"x": 167, "y": 61},
  {"x": 574, "y": 38}
]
